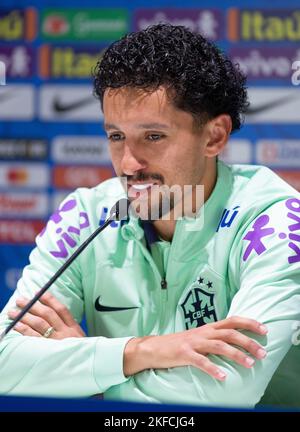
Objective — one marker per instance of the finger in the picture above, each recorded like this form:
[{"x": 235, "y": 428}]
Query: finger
[
  {"x": 80, "y": 331},
  {"x": 235, "y": 322},
  {"x": 222, "y": 348},
  {"x": 62, "y": 311},
  {"x": 44, "y": 312},
  {"x": 25, "y": 330},
  {"x": 37, "y": 324},
  {"x": 207, "y": 366},
  {"x": 236, "y": 338}
]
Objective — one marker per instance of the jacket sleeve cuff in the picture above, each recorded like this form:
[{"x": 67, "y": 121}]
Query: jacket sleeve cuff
[{"x": 108, "y": 361}]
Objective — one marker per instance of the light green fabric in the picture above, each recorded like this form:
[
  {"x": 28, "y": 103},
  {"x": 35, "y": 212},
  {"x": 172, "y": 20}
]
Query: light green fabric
[
  {"x": 212, "y": 273},
  {"x": 160, "y": 253}
]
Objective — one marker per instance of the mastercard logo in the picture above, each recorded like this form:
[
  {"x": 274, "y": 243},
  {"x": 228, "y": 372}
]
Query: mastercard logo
[
  {"x": 56, "y": 25},
  {"x": 17, "y": 176}
]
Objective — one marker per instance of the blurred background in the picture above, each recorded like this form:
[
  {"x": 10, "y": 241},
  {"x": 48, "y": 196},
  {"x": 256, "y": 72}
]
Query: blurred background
[{"x": 51, "y": 135}]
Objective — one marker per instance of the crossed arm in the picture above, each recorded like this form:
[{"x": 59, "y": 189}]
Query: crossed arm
[{"x": 187, "y": 348}]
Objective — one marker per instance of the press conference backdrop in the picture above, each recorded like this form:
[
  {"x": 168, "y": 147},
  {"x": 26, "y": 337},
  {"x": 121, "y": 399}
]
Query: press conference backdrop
[{"x": 51, "y": 131}]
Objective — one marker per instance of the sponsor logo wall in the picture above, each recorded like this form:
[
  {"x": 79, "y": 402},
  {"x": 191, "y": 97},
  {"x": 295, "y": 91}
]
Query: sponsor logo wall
[{"x": 51, "y": 126}]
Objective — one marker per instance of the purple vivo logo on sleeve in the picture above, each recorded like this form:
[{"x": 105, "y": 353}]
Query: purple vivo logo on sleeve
[
  {"x": 255, "y": 236},
  {"x": 293, "y": 205},
  {"x": 56, "y": 217},
  {"x": 65, "y": 239},
  {"x": 260, "y": 230}
]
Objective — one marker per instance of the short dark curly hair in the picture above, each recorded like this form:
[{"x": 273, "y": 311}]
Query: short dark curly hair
[{"x": 204, "y": 82}]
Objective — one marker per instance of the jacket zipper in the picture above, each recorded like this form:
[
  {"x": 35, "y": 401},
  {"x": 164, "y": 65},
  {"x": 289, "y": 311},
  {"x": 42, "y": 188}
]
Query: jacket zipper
[
  {"x": 164, "y": 300},
  {"x": 162, "y": 283}
]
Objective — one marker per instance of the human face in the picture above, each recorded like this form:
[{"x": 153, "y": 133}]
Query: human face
[{"x": 153, "y": 143}]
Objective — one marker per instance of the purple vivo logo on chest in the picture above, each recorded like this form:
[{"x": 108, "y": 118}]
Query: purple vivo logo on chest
[{"x": 65, "y": 239}]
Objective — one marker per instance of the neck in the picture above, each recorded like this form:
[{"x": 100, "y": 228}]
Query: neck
[{"x": 165, "y": 228}]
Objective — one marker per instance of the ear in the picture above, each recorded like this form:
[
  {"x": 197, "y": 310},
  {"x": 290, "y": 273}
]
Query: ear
[{"x": 218, "y": 131}]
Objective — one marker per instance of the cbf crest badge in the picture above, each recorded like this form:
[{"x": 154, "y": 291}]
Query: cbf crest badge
[{"x": 198, "y": 306}]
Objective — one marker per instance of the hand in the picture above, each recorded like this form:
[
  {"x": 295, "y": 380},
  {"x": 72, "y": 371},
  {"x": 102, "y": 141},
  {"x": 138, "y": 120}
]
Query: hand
[
  {"x": 191, "y": 347},
  {"x": 46, "y": 313}
]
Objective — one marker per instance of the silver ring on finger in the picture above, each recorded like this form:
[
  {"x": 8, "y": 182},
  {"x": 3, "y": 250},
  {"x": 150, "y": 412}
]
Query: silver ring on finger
[{"x": 48, "y": 332}]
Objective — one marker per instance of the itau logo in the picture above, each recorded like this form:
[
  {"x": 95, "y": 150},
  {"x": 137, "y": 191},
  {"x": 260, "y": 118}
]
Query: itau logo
[{"x": 2, "y": 73}]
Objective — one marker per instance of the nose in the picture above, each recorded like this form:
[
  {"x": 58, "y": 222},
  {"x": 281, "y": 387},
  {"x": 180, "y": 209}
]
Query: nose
[{"x": 130, "y": 163}]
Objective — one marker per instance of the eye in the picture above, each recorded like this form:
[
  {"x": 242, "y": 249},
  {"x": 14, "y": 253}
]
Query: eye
[
  {"x": 115, "y": 137},
  {"x": 155, "y": 137}
]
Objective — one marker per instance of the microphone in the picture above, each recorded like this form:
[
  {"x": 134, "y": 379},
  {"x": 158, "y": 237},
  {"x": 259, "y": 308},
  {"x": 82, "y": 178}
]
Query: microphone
[
  {"x": 117, "y": 213},
  {"x": 120, "y": 210}
]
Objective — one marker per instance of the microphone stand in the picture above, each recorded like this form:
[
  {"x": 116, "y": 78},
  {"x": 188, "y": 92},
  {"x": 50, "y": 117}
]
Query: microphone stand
[{"x": 118, "y": 212}]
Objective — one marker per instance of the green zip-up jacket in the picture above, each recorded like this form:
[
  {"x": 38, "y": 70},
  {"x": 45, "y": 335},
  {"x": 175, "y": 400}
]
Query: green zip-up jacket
[{"x": 244, "y": 261}]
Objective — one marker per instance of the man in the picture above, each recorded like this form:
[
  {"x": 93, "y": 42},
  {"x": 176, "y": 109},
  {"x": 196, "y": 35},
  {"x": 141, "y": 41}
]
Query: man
[{"x": 175, "y": 307}]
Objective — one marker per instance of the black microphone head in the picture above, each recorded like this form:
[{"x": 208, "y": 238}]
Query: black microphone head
[{"x": 120, "y": 210}]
